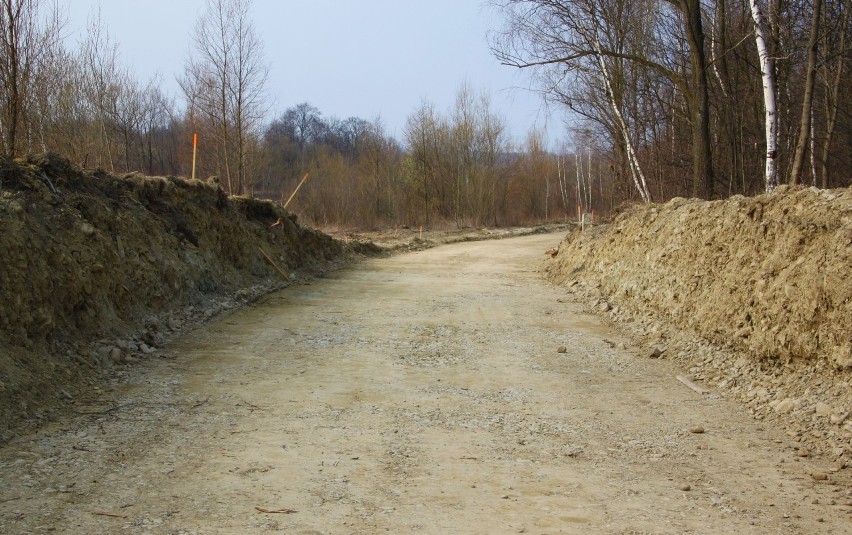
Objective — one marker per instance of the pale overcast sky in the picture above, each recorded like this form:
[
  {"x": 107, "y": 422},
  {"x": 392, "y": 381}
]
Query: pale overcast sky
[{"x": 364, "y": 58}]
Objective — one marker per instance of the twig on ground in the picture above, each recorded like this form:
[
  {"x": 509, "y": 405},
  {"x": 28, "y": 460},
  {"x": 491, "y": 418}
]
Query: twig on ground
[
  {"x": 251, "y": 406},
  {"x": 283, "y": 511},
  {"x": 104, "y": 513}
]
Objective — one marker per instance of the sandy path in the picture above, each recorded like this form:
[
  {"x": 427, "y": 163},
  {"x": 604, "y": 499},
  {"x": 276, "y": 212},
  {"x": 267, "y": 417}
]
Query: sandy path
[{"x": 418, "y": 394}]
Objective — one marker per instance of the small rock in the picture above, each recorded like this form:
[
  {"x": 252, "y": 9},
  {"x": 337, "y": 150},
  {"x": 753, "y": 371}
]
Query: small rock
[
  {"x": 87, "y": 228},
  {"x": 174, "y": 324},
  {"x": 819, "y": 476},
  {"x": 561, "y": 349},
  {"x": 697, "y": 429},
  {"x": 655, "y": 352},
  {"x": 822, "y": 409},
  {"x": 504, "y": 497},
  {"x": 803, "y": 452},
  {"x": 838, "y": 419},
  {"x": 104, "y": 351},
  {"x": 787, "y": 405},
  {"x": 685, "y": 488},
  {"x": 604, "y": 307},
  {"x": 147, "y": 349},
  {"x": 115, "y": 354},
  {"x": 744, "y": 332}
]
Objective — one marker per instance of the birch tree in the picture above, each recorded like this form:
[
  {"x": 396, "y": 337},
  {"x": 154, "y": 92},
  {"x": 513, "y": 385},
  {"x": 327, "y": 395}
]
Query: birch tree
[{"x": 767, "y": 71}]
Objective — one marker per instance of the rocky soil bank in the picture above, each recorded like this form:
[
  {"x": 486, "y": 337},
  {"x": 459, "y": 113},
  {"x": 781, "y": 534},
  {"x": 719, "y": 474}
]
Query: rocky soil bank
[
  {"x": 752, "y": 295},
  {"x": 97, "y": 270}
]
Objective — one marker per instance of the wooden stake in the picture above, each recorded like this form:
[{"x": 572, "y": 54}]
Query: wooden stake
[
  {"x": 272, "y": 263},
  {"x": 692, "y": 385},
  {"x": 194, "y": 150},
  {"x": 304, "y": 179}
]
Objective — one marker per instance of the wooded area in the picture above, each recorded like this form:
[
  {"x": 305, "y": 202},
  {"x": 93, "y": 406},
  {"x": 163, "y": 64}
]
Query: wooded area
[{"x": 664, "y": 98}]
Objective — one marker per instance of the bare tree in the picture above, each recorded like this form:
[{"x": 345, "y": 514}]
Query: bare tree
[
  {"x": 25, "y": 40},
  {"x": 224, "y": 81},
  {"x": 805, "y": 125}
]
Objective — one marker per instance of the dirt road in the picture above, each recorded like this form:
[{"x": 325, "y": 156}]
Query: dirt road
[{"x": 422, "y": 393}]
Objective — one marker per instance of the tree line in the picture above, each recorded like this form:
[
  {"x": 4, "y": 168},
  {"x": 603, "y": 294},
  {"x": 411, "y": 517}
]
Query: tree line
[
  {"x": 667, "y": 98},
  {"x": 697, "y": 98}
]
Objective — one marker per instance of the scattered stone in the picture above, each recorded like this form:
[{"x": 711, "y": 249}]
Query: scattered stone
[
  {"x": 697, "y": 429},
  {"x": 604, "y": 306},
  {"x": 147, "y": 349},
  {"x": 787, "y": 405},
  {"x": 838, "y": 419},
  {"x": 820, "y": 476},
  {"x": 504, "y": 497},
  {"x": 803, "y": 452},
  {"x": 561, "y": 349},
  {"x": 174, "y": 324},
  {"x": 686, "y": 487},
  {"x": 822, "y": 409},
  {"x": 743, "y": 332},
  {"x": 87, "y": 228},
  {"x": 115, "y": 354},
  {"x": 655, "y": 352}
]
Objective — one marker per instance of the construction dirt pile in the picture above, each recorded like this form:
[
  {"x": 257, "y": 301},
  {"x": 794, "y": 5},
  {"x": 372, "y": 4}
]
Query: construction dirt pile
[
  {"x": 752, "y": 295},
  {"x": 97, "y": 270}
]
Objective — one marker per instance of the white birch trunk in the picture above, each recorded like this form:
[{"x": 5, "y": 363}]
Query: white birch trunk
[
  {"x": 635, "y": 169},
  {"x": 767, "y": 68},
  {"x": 579, "y": 167},
  {"x": 589, "y": 180}
]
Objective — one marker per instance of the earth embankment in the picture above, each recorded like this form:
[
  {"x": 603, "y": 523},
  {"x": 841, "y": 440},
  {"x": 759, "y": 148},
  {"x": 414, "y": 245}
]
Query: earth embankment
[
  {"x": 97, "y": 269},
  {"x": 752, "y": 296},
  {"x": 769, "y": 275}
]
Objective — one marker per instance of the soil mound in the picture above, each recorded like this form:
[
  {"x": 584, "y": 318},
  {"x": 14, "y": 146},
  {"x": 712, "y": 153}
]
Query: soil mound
[
  {"x": 752, "y": 295},
  {"x": 769, "y": 274},
  {"x": 89, "y": 258}
]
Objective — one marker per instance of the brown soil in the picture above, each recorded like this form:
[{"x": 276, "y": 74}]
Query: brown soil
[
  {"x": 753, "y": 295},
  {"x": 444, "y": 391},
  {"x": 98, "y": 270}
]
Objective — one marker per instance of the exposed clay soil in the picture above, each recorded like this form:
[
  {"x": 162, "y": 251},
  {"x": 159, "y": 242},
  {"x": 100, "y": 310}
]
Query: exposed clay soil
[
  {"x": 752, "y": 295},
  {"x": 445, "y": 391},
  {"x": 97, "y": 270}
]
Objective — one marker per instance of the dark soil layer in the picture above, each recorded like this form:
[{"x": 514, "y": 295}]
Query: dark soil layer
[{"x": 87, "y": 259}]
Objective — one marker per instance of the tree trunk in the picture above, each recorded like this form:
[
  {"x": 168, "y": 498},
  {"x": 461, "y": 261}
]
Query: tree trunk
[
  {"x": 635, "y": 168},
  {"x": 807, "y": 102},
  {"x": 702, "y": 161},
  {"x": 767, "y": 73},
  {"x": 832, "y": 94}
]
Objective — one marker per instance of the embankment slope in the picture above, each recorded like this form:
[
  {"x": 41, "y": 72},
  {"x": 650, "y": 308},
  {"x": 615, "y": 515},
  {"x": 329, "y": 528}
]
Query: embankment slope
[
  {"x": 97, "y": 269},
  {"x": 767, "y": 280}
]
